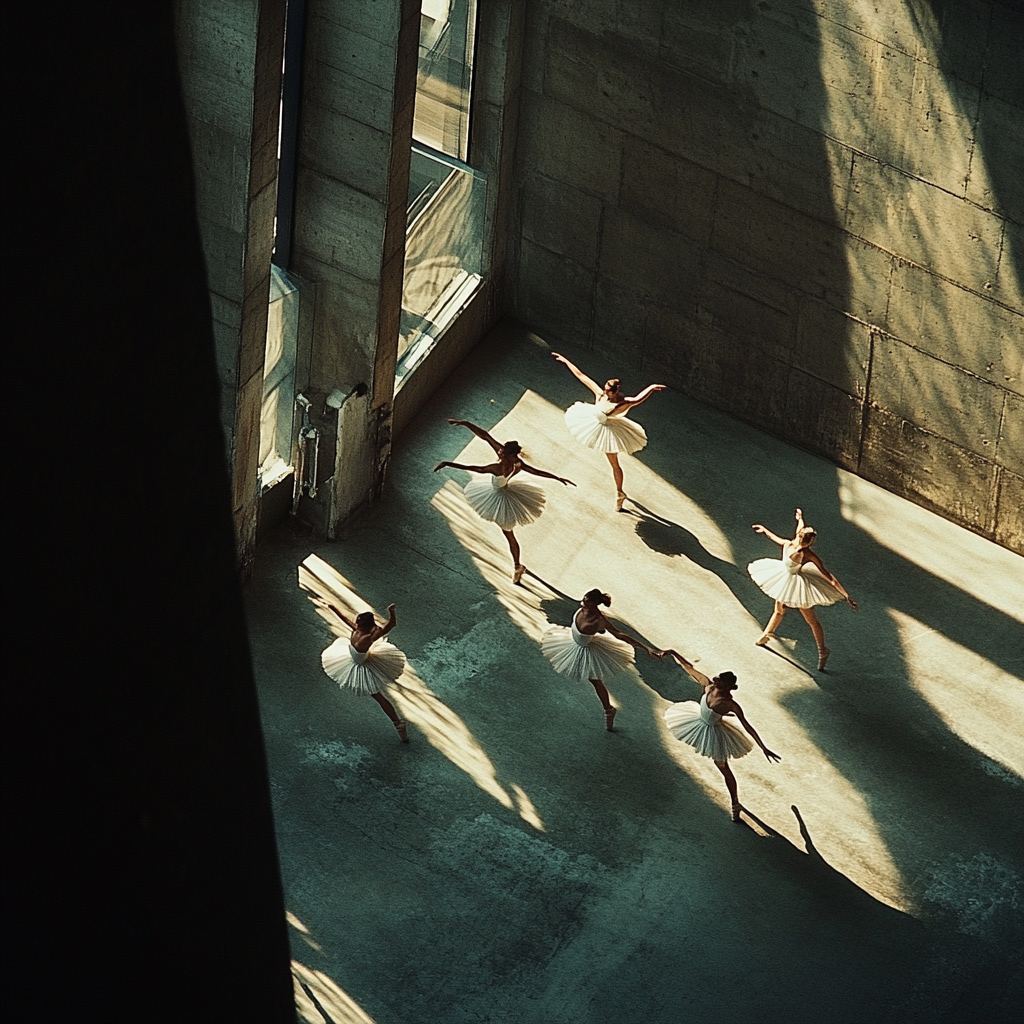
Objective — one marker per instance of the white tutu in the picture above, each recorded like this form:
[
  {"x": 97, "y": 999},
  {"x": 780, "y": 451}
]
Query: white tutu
[
  {"x": 504, "y": 500},
  {"x": 796, "y": 586},
  {"x": 706, "y": 731},
  {"x": 585, "y": 657},
  {"x": 365, "y": 673},
  {"x": 596, "y": 427}
]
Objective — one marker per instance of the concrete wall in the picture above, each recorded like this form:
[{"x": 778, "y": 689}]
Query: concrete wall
[
  {"x": 808, "y": 213},
  {"x": 229, "y": 55}
]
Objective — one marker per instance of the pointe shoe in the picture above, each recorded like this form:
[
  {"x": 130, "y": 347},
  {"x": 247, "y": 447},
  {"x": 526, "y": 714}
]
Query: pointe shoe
[
  {"x": 823, "y": 653},
  {"x": 609, "y": 718},
  {"x": 736, "y": 808},
  {"x": 763, "y": 639},
  {"x": 402, "y": 734},
  {"x": 619, "y": 499},
  {"x": 517, "y": 573}
]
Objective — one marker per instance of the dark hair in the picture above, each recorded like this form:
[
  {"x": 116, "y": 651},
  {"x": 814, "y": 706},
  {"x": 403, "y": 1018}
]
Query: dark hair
[
  {"x": 365, "y": 621},
  {"x": 596, "y": 597},
  {"x": 612, "y": 384},
  {"x": 726, "y": 679},
  {"x": 512, "y": 448}
]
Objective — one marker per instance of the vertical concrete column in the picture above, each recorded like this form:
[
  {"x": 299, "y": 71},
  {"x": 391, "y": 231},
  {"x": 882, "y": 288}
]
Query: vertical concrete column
[
  {"x": 230, "y": 53},
  {"x": 493, "y": 126},
  {"x": 352, "y": 183}
]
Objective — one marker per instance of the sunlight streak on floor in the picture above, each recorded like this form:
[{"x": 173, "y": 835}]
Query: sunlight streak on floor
[
  {"x": 978, "y": 702},
  {"x": 343, "y": 1009},
  {"x": 415, "y": 702},
  {"x": 986, "y": 571}
]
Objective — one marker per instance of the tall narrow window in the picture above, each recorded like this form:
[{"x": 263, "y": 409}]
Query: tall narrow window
[{"x": 444, "y": 237}]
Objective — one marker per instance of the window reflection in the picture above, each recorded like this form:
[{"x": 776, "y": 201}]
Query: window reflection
[
  {"x": 441, "y": 120},
  {"x": 443, "y": 251}
]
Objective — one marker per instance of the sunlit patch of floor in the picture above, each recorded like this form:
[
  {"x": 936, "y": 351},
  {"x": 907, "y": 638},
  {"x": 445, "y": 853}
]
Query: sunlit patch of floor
[
  {"x": 314, "y": 987},
  {"x": 977, "y": 701},
  {"x": 415, "y": 702},
  {"x": 992, "y": 574}
]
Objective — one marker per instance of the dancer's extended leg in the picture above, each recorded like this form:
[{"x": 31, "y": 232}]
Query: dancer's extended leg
[
  {"x": 389, "y": 709},
  {"x": 606, "y": 703},
  {"x": 613, "y": 458},
  {"x": 513, "y": 546},
  {"x": 730, "y": 784},
  {"x": 773, "y": 624},
  {"x": 819, "y": 636}
]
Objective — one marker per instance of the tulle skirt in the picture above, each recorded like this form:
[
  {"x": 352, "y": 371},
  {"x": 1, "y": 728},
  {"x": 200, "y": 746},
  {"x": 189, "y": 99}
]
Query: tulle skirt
[
  {"x": 514, "y": 504},
  {"x": 604, "y": 657},
  {"x": 718, "y": 740},
  {"x": 803, "y": 589},
  {"x": 382, "y": 664},
  {"x": 604, "y": 433}
]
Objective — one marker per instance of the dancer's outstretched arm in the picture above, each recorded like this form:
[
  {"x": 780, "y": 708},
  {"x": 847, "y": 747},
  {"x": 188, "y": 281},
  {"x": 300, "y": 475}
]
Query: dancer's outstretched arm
[
  {"x": 578, "y": 374},
  {"x": 758, "y": 528},
  {"x": 479, "y": 431},
  {"x": 810, "y": 556},
  {"x": 618, "y": 634},
  {"x": 494, "y": 467},
  {"x": 643, "y": 396},
  {"x": 321, "y": 603},
  {"x": 698, "y": 677},
  {"x": 738, "y": 712},
  {"x": 545, "y": 473}
]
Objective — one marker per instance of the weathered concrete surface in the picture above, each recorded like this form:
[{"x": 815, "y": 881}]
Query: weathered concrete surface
[
  {"x": 230, "y": 65},
  {"x": 516, "y": 863},
  {"x": 859, "y": 161}
]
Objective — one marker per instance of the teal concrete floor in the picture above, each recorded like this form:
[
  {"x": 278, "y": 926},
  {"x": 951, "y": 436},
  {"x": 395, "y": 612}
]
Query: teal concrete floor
[{"x": 515, "y": 863}]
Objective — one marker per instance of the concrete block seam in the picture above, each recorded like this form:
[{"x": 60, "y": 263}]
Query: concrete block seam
[
  {"x": 905, "y": 261},
  {"x": 909, "y": 174},
  {"x": 883, "y": 335}
]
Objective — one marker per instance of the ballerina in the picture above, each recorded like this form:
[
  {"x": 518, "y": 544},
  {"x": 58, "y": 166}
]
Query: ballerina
[
  {"x": 704, "y": 728},
  {"x": 501, "y": 500},
  {"x": 799, "y": 580},
  {"x": 603, "y": 426},
  {"x": 366, "y": 663},
  {"x": 582, "y": 652}
]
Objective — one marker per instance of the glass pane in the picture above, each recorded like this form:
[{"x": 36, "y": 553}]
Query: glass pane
[
  {"x": 278, "y": 378},
  {"x": 443, "y": 251},
  {"x": 441, "y": 119}
]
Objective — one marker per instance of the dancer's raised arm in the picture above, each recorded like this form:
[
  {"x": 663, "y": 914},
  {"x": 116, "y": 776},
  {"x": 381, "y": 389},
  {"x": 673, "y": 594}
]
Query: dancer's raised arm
[
  {"x": 379, "y": 631},
  {"x": 758, "y": 528},
  {"x": 479, "y": 431},
  {"x": 643, "y": 396},
  {"x": 578, "y": 374},
  {"x": 543, "y": 472}
]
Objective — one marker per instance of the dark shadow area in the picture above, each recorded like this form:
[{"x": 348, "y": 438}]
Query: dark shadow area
[
  {"x": 140, "y": 871},
  {"x": 669, "y": 538}
]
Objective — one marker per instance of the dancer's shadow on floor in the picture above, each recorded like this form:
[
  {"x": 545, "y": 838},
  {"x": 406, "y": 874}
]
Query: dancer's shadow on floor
[
  {"x": 668, "y": 538},
  {"x": 827, "y": 886},
  {"x": 658, "y": 674}
]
